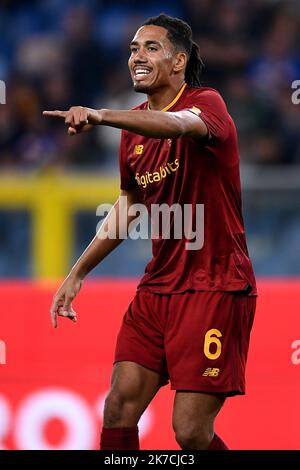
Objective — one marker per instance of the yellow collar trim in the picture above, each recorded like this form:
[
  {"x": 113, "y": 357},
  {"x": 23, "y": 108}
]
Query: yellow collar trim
[{"x": 166, "y": 108}]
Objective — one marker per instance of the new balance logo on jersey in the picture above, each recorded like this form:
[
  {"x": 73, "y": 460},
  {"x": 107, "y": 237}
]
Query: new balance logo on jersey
[
  {"x": 138, "y": 149},
  {"x": 211, "y": 372}
]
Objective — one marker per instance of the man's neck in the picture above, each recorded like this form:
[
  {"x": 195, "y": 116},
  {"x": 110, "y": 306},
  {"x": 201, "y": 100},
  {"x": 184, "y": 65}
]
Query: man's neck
[{"x": 163, "y": 97}]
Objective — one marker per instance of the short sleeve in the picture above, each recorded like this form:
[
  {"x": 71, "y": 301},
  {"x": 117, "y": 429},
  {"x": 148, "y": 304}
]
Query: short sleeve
[
  {"x": 126, "y": 174},
  {"x": 210, "y": 107}
]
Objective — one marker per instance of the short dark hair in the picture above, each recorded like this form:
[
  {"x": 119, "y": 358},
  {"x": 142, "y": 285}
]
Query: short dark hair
[{"x": 180, "y": 35}]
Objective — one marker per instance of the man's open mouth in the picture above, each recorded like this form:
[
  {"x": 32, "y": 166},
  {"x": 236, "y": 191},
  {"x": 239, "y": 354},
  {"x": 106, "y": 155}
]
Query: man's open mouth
[{"x": 141, "y": 73}]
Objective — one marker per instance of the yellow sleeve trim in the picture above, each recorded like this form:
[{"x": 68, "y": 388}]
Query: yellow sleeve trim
[{"x": 195, "y": 110}]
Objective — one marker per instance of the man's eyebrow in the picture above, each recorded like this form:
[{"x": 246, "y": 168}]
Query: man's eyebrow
[{"x": 147, "y": 43}]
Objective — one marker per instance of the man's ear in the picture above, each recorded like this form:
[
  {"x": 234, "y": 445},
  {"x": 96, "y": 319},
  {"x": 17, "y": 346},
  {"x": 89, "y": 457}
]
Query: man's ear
[{"x": 180, "y": 61}]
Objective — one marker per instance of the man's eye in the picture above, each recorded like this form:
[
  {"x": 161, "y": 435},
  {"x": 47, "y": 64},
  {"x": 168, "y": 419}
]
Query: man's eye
[
  {"x": 152, "y": 48},
  {"x": 133, "y": 50}
]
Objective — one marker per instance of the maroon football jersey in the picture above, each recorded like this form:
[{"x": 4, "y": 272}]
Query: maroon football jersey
[{"x": 190, "y": 172}]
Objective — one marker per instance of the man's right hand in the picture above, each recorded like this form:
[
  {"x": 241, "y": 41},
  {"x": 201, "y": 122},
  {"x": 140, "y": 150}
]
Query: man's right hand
[
  {"x": 61, "y": 305},
  {"x": 78, "y": 118}
]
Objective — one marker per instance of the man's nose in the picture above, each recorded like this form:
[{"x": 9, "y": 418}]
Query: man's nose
[{"x": 140, "y": 56}]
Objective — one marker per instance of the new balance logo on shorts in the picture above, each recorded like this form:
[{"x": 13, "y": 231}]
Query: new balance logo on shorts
[{"x": 211, "y": 372}]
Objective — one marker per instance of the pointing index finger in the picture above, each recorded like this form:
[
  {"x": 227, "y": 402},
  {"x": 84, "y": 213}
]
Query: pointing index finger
[{"x": 56, "y": 113}]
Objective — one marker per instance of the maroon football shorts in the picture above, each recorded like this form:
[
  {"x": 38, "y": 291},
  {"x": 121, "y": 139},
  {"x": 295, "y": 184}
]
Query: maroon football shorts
[{"x": 198, "y": 340}]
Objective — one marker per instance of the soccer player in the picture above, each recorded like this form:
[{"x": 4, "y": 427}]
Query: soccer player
[{"x": 192, "y": 314}]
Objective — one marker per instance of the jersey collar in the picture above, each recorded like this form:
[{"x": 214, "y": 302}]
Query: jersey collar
[{"x": 166, "y": 108}]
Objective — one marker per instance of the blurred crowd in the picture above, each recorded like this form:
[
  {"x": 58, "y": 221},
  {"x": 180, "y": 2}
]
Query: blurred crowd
[{"x": 59, "y": 53}]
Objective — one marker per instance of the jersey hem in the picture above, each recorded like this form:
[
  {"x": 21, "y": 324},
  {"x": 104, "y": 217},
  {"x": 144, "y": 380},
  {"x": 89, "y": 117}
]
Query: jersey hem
[
  {"x": 194, "y": 388},
  {"x": 159, "y": 290}
]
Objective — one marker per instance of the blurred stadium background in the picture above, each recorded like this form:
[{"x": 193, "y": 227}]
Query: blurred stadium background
[{"x": 59, "y": 53}]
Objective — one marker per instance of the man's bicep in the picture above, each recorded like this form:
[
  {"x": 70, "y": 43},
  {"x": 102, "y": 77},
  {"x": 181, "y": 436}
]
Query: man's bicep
[{"x": 210, "y": 107}]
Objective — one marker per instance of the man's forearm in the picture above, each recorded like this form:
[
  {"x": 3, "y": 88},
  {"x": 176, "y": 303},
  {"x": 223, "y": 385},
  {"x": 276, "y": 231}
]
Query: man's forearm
[
  {"x": 147, "y": 123},
  {"x": 96, "y": 251},
  {"x": 157, "y": 124}
]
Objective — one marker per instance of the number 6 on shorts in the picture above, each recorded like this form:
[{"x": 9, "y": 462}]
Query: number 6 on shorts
[{"x": 212, "y": 337}]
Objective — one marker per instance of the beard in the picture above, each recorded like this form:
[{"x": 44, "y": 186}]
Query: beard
[{"x": 140, "y": 88}]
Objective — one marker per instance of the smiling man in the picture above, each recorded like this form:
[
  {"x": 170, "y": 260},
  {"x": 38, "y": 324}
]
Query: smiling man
[{"x": 191, "y": 317}]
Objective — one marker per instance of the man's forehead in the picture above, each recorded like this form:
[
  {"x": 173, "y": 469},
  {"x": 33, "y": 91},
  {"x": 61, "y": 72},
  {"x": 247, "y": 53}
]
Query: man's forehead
[{"x": 150, "y": 32}]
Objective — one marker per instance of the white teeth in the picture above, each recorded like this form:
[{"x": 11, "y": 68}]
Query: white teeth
[{"x": 142, "y": 72}]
